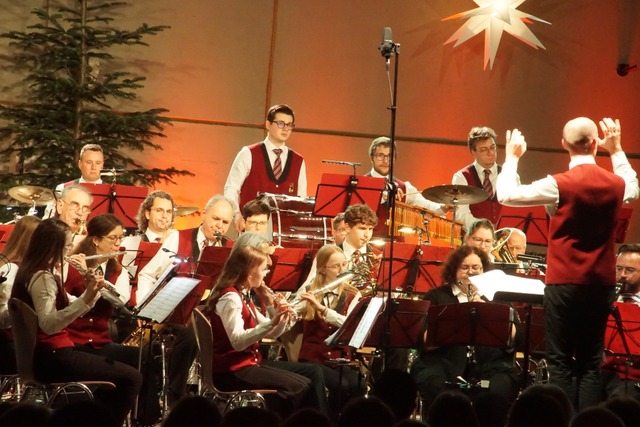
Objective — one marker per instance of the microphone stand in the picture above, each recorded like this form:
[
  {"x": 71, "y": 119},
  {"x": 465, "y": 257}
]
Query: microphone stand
[{"x": 388, "y": 48}]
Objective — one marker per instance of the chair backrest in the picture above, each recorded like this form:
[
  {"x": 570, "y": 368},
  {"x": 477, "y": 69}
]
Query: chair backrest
[
  {"x": 24, "y": 325},
  {"x": 204, "y": 338}
]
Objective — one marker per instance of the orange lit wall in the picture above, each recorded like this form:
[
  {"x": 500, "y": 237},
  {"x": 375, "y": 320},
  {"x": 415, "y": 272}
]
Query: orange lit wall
[{"x": 226, "y": 61}]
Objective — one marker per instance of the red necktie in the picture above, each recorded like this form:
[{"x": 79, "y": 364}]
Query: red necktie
[
  {"x": 486, "y": 184},
  {"x": 277, "y": 165}
]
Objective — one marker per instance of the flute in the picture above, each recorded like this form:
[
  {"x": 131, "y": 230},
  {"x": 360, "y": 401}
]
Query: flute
[
  {"x": 297, "y": 300},
  {"x": 108, "y": 292},
  {"x": 109, "y": 255}
]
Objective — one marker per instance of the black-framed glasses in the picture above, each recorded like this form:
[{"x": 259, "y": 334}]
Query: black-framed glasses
[
  {"x": 381, "y": 156},
  {"x": 484, "y": 150},
  {"x": 282, "y": 125}
]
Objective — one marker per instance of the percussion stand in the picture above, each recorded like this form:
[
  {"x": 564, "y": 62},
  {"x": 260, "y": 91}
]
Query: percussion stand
[{"x": 388, "y": 48}]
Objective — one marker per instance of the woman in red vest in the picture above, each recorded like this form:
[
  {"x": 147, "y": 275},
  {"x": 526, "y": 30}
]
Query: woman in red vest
[
  {"x": 238, "y": 328},
  {"x": 39, "y": 284},
  {"x": 323, "y": 314}
]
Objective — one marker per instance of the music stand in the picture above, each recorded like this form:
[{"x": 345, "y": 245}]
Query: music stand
[
  {"x": 406, "y": 323},
  {"x": 416, "y": 268},
  {"x": 212, "y": 260},
  {"x": 336, "y": 192},
  {"x": 532, "y": 220},
  {"x": 622, "y": 335},
  {"x": 470, "y": 323},
  {"x": 121, "y": 200},
  {"x": 289, "y": 268},
  {"x": 181, "y": 315}
]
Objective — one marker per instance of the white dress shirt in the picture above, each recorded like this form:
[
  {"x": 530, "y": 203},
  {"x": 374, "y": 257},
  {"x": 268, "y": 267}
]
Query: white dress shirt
[
  {"x": 8, "y": 271},
  {"x": 242, "y": 166},
  {"x": 413, "y": 196}
]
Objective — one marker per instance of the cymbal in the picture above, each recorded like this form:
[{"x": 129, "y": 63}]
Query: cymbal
[
  {"x": 39, "y": 196},
  {"x": 460, "y": 194},
  {"x": 185, "y": 210}
]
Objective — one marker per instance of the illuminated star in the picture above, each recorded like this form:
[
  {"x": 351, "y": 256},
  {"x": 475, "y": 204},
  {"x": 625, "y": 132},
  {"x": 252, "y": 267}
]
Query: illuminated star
[{"x": 494, "y": 17}]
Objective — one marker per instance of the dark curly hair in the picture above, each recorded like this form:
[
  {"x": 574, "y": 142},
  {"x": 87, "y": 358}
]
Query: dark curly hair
[{"x": 455, "y": 258}]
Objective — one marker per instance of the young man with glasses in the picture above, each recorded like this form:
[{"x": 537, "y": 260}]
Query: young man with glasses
[
  {"x": 268, "y": 166},
  {"x": 380, "y": 155},
  {"x": 255, "y": 216},
  {"x": 74, "y": 206},
  {"x": 482, "y": 173}
]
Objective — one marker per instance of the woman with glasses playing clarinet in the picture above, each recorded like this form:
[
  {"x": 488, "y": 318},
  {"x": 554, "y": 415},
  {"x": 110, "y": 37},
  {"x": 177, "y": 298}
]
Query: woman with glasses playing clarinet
[
  {"x": 91, "y": 332},
  {"x": 39, "y": 283}
]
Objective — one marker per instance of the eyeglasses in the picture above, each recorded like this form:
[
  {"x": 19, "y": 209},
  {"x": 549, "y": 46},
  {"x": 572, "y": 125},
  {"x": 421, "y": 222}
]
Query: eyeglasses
[
  {"x": 381, "y": 156},
  {"x": 75, "y": 207},
  {"x": 257, "y": 223},
  {"x": 479, "y": 241},
  {"x": 114, "y": 239},
  {"x": 627, "y": 270},
  {"x": 485, "y": 150},
  {"x": 475, "y": 268},
  {"x": 161, "y": 211},
  {"x": 282, "y": 124},
  {"x": 337, "y": 266}
]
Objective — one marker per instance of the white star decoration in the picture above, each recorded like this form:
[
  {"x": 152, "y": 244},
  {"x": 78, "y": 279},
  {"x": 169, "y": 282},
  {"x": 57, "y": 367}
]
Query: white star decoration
[{"x": 494, "y": 17}]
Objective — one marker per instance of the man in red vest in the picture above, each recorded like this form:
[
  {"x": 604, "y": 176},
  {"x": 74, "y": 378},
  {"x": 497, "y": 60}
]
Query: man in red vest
[
  {"x": 482, "y": 173},
  {"x": 583, "y": 204},
  {"x": 268, "y": 166}
]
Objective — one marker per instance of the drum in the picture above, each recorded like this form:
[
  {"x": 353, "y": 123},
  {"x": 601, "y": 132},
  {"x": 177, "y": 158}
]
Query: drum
[{"x": 293, "y": 223}]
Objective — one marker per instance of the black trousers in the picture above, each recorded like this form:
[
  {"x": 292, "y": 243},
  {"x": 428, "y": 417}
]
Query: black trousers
[
  {"x": 575, "y": 318},
  {"x": 69, "y": 364}
]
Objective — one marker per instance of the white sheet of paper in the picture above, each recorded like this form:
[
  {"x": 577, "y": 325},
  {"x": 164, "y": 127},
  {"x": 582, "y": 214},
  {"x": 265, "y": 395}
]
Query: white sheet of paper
[
  {"x": 366, "y": 323},
  {"x": 161, "y": 306},
  {"x": 498, "y": 281}
]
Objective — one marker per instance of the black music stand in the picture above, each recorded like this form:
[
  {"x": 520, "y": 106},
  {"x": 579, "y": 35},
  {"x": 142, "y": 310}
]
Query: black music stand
[
  {"x": 121, "y": 200},
  {"x": 416, "y": 268},
  {"x": 289, "y": 269},
  {"x": 407, "y": 321},
  {"x": 337, "y": 192},
  {"x": 470, "y": 323},
  {"x": 532, "y": 220}
]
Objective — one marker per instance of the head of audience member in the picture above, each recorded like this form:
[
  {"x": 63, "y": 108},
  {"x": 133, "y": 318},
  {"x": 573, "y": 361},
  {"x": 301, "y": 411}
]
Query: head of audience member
[
  {"x": 25, "y": 415},
  {"x": 517, "y": 242},
  {"x": 380, "y": 154},
  {"x": 580, "y": 137},
  {"x": 250, "y": 416},
  {"x": 280, "y": 123},
  {"x": 82, "y": 413},
  {"x": 628, "y": 268},
  {"x": 245, "y": 269},
  {"x": 360, "y": 221},
  {"x": 217, "y": 216},
  {"x": 105, "y": 232},
  {"x": 156, "y": 212},
  {"x": 91, "y": 162},
  {"x": 19, "y": 238},
  {"x": 193, "y": 411},
  {"x": 398, "y": 390},
  {"x": 482, "y": 145},
  {"x": 366, "y": 411},
  {"x": 255, "y": 214},
  {"x": 307, "y": 417},
  {"x": 338, "y": 229},
  {"x": 536, "y": 409},
  {"x": 74, "y": 206},
  {"x": 625, "y": 407},
  {"x": 491, "y": 409},
  {"x": 451, "y": 409},
  {"x": 481, "y": 234},
  {"x": 464, "y": 262},
  {"x": 597, "y": 416}
]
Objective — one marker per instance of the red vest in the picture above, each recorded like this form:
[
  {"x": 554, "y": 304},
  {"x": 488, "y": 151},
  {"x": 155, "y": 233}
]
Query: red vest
[
  {"x": 582, "y": 231},
  {"x": 314, "y": 332},
  {"x": 188, "y": 247},
  {"x": 261, "y": 178},
  {"x": 225, "y": 357},
  {"x": 92, "y": 328},
  {"x": 489, "y": 209}
]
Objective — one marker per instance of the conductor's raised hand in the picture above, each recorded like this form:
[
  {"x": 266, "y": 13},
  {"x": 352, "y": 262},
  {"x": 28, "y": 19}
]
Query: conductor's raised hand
[
  {"x": 612, "y": 131},
  {"x": 516, "y": 145}
]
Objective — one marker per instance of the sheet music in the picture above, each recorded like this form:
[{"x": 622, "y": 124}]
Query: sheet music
[
  {"x": 497, "y": 281},
  {"x": 165, "y": 301},
  {"x": 131, "y": 245},
  {"x": 366, "y": 323},
  {"x": 161, "y": 279}
]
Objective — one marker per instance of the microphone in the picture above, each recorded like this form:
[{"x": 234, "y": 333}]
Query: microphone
[
  {"x": 176, "y": 255},
  {"x": 387, "y": 45},
  {"x": 532, "y": 258},
  {"x": 341, "y": 162}
]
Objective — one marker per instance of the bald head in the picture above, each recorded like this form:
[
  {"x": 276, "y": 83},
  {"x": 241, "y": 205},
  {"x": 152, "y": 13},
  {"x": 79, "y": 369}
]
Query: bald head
[{"x": 579, "y": 135}]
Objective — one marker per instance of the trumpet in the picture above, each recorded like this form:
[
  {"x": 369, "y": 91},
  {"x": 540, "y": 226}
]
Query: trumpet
[{"x": 108, "y": 292}]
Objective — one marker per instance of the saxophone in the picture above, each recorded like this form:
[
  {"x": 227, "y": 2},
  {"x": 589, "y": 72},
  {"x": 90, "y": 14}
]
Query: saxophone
[{"x": 82, "y": 227}]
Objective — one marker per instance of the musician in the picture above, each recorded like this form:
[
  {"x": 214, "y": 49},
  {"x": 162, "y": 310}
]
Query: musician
[
  {"x": 480, "y": 235},
  {"x": 11, "y": 257},
  {"x": 238, "y": 327},
  {"x": 482, "y": 173},
  {"x": 517, "y": 243},
  {"x": 338, "y": 229},
  {"x": 321, "y": 316},
  {"x": 255, "y": 217},
  {"x": 628, "y": 273},
  {"x": 436, "y": 368},
  {"x": 39, "y": 284},
  {"x": 91, "y": 332},
  {"x": 583, "y": 204},
  {"x": 74, "y": 206},
  {"x": 268, "y": 166},
  {"x": 188, "y": 245},
  {"x": 155, "y": 217},
  {"x": 379, "y": 153}
]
